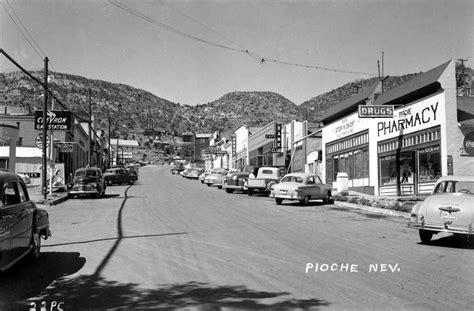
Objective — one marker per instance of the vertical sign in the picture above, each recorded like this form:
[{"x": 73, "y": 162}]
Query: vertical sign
[
  {"x": 234, "y": 146},
  {"x": 278, "y": 135}
]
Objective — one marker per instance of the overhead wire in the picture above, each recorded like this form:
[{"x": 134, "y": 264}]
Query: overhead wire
[
  {"x": 255, "y": 56},
  {"x": 36, "y": 49},
  {"x": 24, "y": 31}
]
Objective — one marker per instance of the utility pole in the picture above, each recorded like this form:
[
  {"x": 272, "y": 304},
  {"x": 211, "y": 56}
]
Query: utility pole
[
  {"x": 89, "y": 160},
  {"x": 45, "y": 138},
  {"x": 108, "y": 143}
]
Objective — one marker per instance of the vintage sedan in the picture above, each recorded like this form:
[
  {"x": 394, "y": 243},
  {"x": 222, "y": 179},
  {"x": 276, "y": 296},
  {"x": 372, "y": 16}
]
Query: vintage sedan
[
  {"x": 301, "y": 187},
  {"x": 449, "y": 208},
  {"x": 88, "y": 181},
  {"x": 195, "y": 173},
  {"x": 22, "y": 224},
  {"x": 215, "y": 173},
  {"x": 119, "y": 176}
]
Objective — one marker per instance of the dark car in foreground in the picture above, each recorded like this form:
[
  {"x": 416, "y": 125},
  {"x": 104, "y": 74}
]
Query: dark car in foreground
[
  {"x": 88, "y": 181},
  {"x": 22, "y": 224},
  {"x": 449, "y": 208},
  {"x": 119, "y": 176}
]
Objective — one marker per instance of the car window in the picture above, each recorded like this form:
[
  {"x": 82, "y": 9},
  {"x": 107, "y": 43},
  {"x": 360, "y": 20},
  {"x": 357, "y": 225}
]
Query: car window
[
  {"x": 311, "y": 180},
  {"x": 465, "y": 187},
  {"x": 10, "y": 194},
  {"x": 440, "y": 187},
  {"x": 296, "y": 179},
  {"x": 22, "y": 192},
  {"x": 267, "y": 172}
]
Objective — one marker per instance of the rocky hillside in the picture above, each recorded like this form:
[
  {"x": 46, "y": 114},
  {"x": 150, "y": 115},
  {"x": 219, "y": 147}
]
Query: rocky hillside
[{"x": 132, "y": 110}]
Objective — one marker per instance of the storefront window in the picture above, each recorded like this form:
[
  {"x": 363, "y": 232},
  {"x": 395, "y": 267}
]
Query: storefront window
[
  {"x": 336, "y": 166},
  {"x": 365, "y": 155},
  {"x": 358, "y": 164},
  {"x": 388, "y": 170},
  {"x": 429, "y": 164}
]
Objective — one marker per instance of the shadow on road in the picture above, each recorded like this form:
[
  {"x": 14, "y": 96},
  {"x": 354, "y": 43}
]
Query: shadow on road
[
  {"x": 452, "y": 241},
  {"x": 102, "y": 294},
  {"x": 28, "y": 279}
]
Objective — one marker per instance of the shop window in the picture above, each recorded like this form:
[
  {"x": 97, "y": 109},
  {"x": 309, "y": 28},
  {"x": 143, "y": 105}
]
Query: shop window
[
  {"x": 358, "y": 164},
  {"x": 429, "y": 164},
  {"x": 365, "y": 156},
  {"x": 388, "y": 170},
  {"x": 335, "y": 166}
]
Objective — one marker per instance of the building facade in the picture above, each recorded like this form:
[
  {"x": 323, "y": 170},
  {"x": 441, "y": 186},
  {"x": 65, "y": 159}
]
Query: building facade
[{"x": 404, "y": 154}]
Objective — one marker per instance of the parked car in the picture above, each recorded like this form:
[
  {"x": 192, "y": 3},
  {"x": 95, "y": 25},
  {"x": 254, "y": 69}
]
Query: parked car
[
  {"x": 237, "y": 180},
  {"x": 215, "y": 173},
  {"x": 219, "y": 182},
  {"x": 449, "y": 208},
  {"x": 302, "y": 187},
  {"x": 264, "y": 180},
  {"x": 88, "y": 181},
  {"x": 185, "y": 172},
  {"x": 22, "y": 224},
  {"x": 203, "y": 175},
  {"x": 176, "y": 170},
  {"x": 119, "y": 176},
  {"x": 195, "y": 173}
]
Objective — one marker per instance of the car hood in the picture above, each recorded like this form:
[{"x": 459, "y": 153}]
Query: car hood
[{"x": 241, "y": 174}]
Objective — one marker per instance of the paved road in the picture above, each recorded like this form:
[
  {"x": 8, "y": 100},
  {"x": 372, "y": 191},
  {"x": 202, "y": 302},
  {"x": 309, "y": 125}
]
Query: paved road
[{"x": 170, "y": 243}]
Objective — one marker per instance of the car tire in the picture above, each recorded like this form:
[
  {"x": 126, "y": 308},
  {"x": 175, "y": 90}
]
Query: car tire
[
  {"x": 229, "y": 190},
  {"x": 278, "y": 201},
  {"x": 305, "y": 200},
  {"x": 249, "y": 192},
  {"x": 219, "y": 187},
  {"x": 328, "y": 199},
  {"x": 425, "y": 236}
]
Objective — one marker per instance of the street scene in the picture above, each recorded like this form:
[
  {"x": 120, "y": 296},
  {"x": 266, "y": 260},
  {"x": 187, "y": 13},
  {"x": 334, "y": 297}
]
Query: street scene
[
  {"x": 236, "y": 155},
  {"x": 171, "y": 243}
]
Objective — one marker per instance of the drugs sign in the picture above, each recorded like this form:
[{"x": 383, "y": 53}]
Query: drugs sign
[
  {"x": 376, "y": 111},
  {"x": 55, "y": 120}
]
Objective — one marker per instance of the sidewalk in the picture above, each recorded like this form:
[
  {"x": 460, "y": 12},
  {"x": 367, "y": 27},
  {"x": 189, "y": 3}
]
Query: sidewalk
[
  {"x": 375, "y": 210},
  {"x": 51, "y": 199}
]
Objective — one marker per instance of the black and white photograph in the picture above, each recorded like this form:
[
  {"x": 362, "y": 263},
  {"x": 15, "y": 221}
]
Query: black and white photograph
[{"x": 207, "y": 155}]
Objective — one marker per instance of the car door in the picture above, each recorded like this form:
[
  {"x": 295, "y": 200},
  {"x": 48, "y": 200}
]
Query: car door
[
  {"x": 6, "y": 223},
  {"x": 17, "y": 206}
]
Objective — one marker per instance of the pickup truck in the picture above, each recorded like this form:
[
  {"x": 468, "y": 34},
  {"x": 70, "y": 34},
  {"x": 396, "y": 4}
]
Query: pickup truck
[{"x": 265, "y": 179}]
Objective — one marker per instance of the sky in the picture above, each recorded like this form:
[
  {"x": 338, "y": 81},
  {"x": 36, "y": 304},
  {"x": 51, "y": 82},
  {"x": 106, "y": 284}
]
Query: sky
[{"x": 195, "y": 51}]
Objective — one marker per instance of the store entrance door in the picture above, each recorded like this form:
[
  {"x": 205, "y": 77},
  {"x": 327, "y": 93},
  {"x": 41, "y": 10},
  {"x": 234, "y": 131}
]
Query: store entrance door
[{"x": 407, "y": 173}]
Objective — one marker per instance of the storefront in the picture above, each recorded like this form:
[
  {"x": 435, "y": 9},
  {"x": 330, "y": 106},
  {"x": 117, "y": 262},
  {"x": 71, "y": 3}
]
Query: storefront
[
  {"x": 406, "y": 153},
  {"x": 240, "y": 147},
  {"x": 262, "y": 148}
]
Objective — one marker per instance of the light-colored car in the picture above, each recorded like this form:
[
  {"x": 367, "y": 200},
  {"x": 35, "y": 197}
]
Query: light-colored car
[
  {"x": 194, "y": 173},
  {"x": 301, "y": 187},
  {"x": 203, "y": 175},
  {"x": 449, "y": 208},
  {"x": 22, "y": 224},
  {"x": 220, "y": 181},
  {"x": 215, "y": 173}
]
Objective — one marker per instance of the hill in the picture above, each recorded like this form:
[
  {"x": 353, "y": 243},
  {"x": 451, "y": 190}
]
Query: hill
[{"x": 132, "y": 110}]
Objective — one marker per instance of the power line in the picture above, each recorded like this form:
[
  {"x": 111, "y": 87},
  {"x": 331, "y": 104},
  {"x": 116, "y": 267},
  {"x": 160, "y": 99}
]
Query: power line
[
  {"x": 247, "y": 52},
  {"x": 37, "y": 50}
]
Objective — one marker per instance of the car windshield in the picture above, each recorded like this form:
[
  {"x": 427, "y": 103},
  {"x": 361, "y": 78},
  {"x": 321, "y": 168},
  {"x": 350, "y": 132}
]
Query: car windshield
[
  {"x": 88, "y": 173},
  {"x": 297, "y": 179}
]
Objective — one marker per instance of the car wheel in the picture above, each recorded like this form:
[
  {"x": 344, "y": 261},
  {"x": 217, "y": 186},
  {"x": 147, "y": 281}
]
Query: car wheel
[
  {"x": 229, "y": 190},
  {"x": 249, "y": 192},
  {"x": 219, "y": 187},
  {"x": 328, "y": 199},
  {"x": 278, "y": 201},
  {"x": 35, "y": 246},
  {"x": 425, "y": 236},
  {"x": 305, "y": 200},
  {"x": 208, "y": 185}
]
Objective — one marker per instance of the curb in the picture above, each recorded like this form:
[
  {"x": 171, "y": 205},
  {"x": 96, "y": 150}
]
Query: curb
[
  {"x": 54, "y": 201},
  {"x": 376, "y": 210}
]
